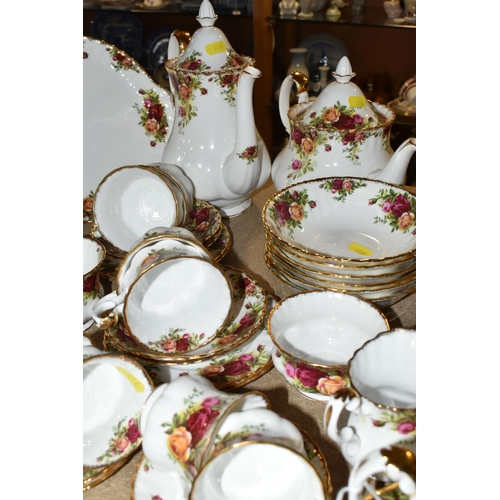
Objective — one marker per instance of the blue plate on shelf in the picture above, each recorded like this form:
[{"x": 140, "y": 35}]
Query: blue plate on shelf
[
  {"x": 324, "y": 50},
  {"x": 155, "y": 49},
  {"x": 121, "y": 29}
]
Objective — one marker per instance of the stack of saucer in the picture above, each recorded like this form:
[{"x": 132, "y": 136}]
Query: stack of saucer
[{"x": 344, "y": 234}]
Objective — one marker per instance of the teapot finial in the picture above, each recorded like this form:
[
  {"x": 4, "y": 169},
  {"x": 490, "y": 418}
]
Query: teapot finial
[
  {"x": 206, "y": 15},
  {"x": 343, "y": 73}
]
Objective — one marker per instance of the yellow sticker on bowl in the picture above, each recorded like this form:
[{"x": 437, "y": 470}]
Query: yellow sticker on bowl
[
  {"x": 136, "y": 383},
  {"x": 356, "y": 101},
  {"x": 356, "y": 247},
  {"x": 215, "y": 47}
]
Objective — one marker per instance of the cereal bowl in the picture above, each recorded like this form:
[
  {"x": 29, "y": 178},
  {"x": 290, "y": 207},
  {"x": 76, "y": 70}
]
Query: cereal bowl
[
  {"x": 315, "y": 334},
  {"x": 352, "y": 220}
]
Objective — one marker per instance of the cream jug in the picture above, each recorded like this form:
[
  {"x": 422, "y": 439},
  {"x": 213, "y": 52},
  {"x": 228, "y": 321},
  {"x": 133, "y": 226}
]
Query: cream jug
[
  {"x": 340, "y": 133},
  {"x": 214, "y": 139}
]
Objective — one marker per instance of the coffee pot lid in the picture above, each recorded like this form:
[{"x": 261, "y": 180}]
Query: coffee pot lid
[
  {"x": 209, "y": 49},
  {"x": 342, "y": 104}
]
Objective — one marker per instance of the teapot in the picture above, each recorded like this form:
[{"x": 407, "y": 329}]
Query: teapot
[
  {"x": 214, "y": 140},
  {"x": 340, "y": 133}
]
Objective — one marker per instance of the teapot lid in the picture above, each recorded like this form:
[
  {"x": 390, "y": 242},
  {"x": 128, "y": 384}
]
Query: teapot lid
[
  {"x": 342, "y": 104},
  {"x": 209, "y": 49}
]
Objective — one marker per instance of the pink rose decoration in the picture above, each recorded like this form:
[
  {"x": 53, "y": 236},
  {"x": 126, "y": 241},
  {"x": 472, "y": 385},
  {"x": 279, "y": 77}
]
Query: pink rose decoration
[{"x": 406, "y": 427}]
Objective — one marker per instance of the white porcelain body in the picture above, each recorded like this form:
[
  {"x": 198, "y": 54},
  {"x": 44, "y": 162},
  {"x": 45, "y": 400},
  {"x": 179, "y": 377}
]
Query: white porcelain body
[
  {"x": 162, "y": 244},
  {"x": 131, "y": 200},
  {"x": 178, "y": 424},
  {"x": 114, "y": 389},
  {"x": 316, "y": 333},
  {"x": 263, "y": 470},
  {"x": 214, "y": 139},
  {"x": 354, "y": 221},
  {"x": 314, "y": 151},
  {"x": 182, "y": 300},
  {"x": 93, "y": 256},
  {"x": 392, "y": 464},
  {"x": 381, "y": 402},
  {"x": 122, "y": 105}
]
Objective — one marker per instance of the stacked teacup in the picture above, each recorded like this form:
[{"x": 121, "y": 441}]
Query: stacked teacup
[
  {"x": 378, "y": 411},
  {"x": 216, "y": 445}
]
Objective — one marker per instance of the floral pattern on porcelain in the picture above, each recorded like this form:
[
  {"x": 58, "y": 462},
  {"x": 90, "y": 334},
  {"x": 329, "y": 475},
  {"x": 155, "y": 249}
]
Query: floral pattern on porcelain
[
  {"x": 202, "y": 220},
  {"x": 400, "y": 210},
  {"x": 341, "y": 187},
  {"x": 311, "y": 379},
  {"x": 338, "y": 123},
  {"x": 176, "y": 341},
  {"x": 157, "y": 255},
  {"x": 228, "y": 81},
  {"x": 121, "y": 60},
  {"x": 235, "y": 365},
  {"x": 126, "y": 437},
  {"x": 88, "y": 207},
  {"x": 152, "y": 116},
  {"x": 91, "y": 288},
  {"x": 290, "y": 208},
  {"x": 188, "y": 429},
  {"x": 250, "y": 154},
  {"x": 404, "y": 422}
]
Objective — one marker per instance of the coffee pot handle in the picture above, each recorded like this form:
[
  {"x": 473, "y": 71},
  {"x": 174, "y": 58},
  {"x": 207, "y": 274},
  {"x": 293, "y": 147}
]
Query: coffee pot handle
[{"x": 284, "y": 97}]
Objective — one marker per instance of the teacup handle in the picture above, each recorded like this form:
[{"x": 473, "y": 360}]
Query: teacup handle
[{"x": 105, "y": 312}]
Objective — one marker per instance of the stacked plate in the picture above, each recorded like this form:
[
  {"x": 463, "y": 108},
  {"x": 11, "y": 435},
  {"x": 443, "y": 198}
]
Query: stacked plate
[{"x": 344, "y": 234}]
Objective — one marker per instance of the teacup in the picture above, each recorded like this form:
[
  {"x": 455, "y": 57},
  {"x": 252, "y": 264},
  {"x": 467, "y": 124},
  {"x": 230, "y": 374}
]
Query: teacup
[
  {"x": 156, "y": 245},
  {"x": 315, "y": 334},
  {"x": 254, "y": 425},
  {"x": 93, "y": 257},
  {"x": 176, "y": 305},
  {"x": 132, "y": 199},
  {"x": 115, "y": 388},
  {"x": 179, "y": 419},
  {"x": 381, "y": 400},
  {"x": 266, "y": 470},
  {"x": 395, "y": 464}
]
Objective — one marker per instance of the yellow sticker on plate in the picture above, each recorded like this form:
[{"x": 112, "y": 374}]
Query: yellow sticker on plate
[
  {"x": 356, "y": 247},
  {"x": 215, "y": 47},
  {"x": 136, "y": 383},
  {"x": 356, "y": 101}
]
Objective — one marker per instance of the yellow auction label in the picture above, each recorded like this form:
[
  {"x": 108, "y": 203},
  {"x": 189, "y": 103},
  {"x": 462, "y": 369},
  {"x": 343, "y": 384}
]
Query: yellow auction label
[
  {"x": 136, "y": 383},
  {"x": 215, "y": 47},
  {"x": 356, "y": 247},
  {"x": 356, "y": 101}
]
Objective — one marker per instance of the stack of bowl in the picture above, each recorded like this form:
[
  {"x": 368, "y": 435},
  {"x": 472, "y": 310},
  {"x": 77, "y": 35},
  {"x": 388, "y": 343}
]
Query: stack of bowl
[{"x": 344, "y": 234}]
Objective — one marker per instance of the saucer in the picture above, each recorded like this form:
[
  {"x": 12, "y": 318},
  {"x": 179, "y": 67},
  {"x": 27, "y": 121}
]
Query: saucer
[
  {"x": 204, "y": 221},
  {"x": 221, "y": 245}
]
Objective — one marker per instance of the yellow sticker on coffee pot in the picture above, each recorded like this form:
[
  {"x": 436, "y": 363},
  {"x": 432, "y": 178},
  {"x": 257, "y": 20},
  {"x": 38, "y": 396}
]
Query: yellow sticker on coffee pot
[
  {"x": 136, "y": 383},
  {"x": 215, "y": 47}
]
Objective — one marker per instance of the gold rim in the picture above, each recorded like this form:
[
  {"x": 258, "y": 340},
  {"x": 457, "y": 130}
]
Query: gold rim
[
  {"x": 381, "y": 260},
  {"x": 318, "y": 276}
]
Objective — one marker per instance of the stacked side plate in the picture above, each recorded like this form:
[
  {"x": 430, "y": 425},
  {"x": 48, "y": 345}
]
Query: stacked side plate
[{"x": 345, "y": 234}]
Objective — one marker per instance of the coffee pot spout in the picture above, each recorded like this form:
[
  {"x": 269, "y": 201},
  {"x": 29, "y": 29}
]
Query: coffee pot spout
[{"x": 242, "y": 167}]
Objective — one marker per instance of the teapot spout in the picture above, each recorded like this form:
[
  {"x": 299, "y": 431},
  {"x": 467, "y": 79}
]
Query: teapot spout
[
  {"x": 242, "y": 168},
  {"x": 396, "y": 168}
]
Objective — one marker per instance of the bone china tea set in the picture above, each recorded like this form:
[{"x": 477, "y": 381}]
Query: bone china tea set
[{"x": 170, "y": 332}]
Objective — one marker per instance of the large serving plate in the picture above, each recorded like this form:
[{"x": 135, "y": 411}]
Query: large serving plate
[{"x": 126, "y": 115}]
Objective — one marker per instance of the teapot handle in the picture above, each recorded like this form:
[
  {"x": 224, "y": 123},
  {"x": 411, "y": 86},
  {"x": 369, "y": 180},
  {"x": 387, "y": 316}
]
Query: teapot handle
[
  {"x": 284, "y": 98},
  {"x": 177, "y": 44}
]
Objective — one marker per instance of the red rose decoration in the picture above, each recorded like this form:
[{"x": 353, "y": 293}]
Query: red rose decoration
[
  {"x": 133, "y": 433},
  {"x": 345, "y": 122},
  {"x": 90, "y": 283},
  {"x": 199, "y": 422},
  {"x": 400, "y": 205},
  {"x": 155, "y": 112},
  {"x": 307, "y": 375}
]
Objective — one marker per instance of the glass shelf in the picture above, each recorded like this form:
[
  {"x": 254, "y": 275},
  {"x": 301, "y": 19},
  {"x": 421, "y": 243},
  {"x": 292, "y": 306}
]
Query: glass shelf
[{"x": 370, "y": 16}]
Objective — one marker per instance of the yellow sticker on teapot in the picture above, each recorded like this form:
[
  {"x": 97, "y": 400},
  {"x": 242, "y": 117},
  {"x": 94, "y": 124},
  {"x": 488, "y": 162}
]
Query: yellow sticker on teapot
[
  {"x": 136, "y": 383},
  {"x": 215, "y": 47},
  {"x": 356, "y": 247},
  {"x": 356, "y": 101}
]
